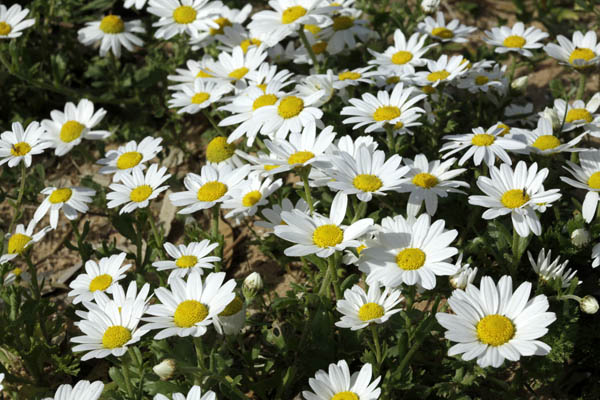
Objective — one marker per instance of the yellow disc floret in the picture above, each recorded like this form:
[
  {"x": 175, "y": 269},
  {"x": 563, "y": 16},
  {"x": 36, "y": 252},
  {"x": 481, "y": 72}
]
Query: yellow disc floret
[
  {"x": 349, "y": 75},
  {"x": 129, "y": 159},
  {"x": 20, "y": 149},
  {"x": 112, "y": 24},
  {"x": 579, "y": 114},
  {"x": 495, "y": 330},
  {"x": 327, "y": 235},
  {"x": 189, "y": 313},
  {"x": 342, "y": 23},
  {"x": 319, "y": 47},
  {"x": 211, "y": 191},
  {"x": 60, "y": 195},
  {"x": 438, "y": 75},
  {"x": 186, "y": 261},
  {"x": 505, "y": 129},
  {"x": 425, "y": 180},
  {"x": 546, "y": 142},
  {"x": 251, "y": 198},
  {"x": 514, "y": 41},
  {"x": 481, "y": 80},
  {"x": 367, "y": 182},
  {"x": 200, "y": 98},
  {"x": 184, "y": 15},
  {"x": 581, "y": 53},
  {"x": 264, "y": 100},
  {"x": 218, "y": 150},
  {"x": 5, "y": 28},
  {"x": 370, "y": 311},
  {"x": 442, "y": 32},
  {"x": 70, "y": 131},
  {"x": 514, "y": 198},
  {"x": 345, "y": 396},
  {"x": 594, "y": 180},
  {"x": 17, "y": 243},
  {"x": 238, "y": 73},
  {"x": 291, "y": 14},
  {"x": 314, "y": 29},
  {"x": 290, "y": 106},
  {"x": 234, "y": 307},
  {"x": 246, "y": 43},
  {"x": 410, "y": 259},
  {"x": 115, "y": 336},
  {"x": 386, "y": 113},
  {"x": 401, "y": 57},
  {"x": 140, "y": 193},
  {"x": 300, "y": 157},
  {"x": 101, "y": 283},
  {"x": 482, "y": 139},
  {"x": 222, "y": 22}
]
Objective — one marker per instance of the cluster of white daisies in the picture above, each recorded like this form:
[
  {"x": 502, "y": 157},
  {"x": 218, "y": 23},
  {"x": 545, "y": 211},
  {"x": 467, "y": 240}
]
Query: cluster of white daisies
[{"x": 282, "y": 111}]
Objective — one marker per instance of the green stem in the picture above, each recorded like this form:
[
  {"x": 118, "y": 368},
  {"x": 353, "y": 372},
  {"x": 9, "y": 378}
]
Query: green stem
[
  {"x": 213, "y": 122},
  {"x": 360, "y": 211},
  {"x": 215, "y": 234},
  {"x": 415, "y": 347},
  {"x": 199, "y": 347},
  {"x": 377, "y": 345},
  {"x": 138, "y": 244},
  {"x": 324, "y": 290},
  {"x": 157, "y": 236},
  {"x": 35, "y": 287},
  {"x": 125, "y": 368},
  {"x": 390, "y": 138},
  {"x": 308, "y": 48},
  {"x": 307, "y": 193},
  {"x": 581, "y": 86},
  {"x": 512, "y": 68},
  {"x": 332, "y": 267},
  {"x": 19, "y": 197}
]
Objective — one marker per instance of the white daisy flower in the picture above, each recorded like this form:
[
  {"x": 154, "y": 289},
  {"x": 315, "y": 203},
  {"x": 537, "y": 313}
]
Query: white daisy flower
[
  {"x": 595, "y": 255},
  {"x": 22, "y": 239},
  {"x": 236, "y": 66},
  {"x": 516, "y": 193},
  {"x": 139, "y": 4},
  {"x": 318, "y": 234},
  {"x": 193, "y": 257},
  {"x": 12, "y": 21},
  {"x": 482, "y": 145},
  {"x": 549, "y": 270},
  {"x": 212, "y": 186},
  {"x": 70, "y": 200},
  {"x": 272, "y": 215},
  {"x": 437, "y": 29},
  {"x": 583, "y": 51},
  {"x": 267, "y": 73},
  {"x": 226, "y": 18},
  {"x": 111, "y": 33},
  {"x": 579, "y": 114},
  {"x": 413, "y": 254},
  {"x": 396, "y": 109},
  {"x": 541, "y": 140},
  {"x": 321, "y": 83},
  {"x": 183, "y": 16},
  {"x": 587, "y": 177},
  {"x": 428, "y": 180},
  {"x": 18, "y": 145},
  {"x": 443, "y": 70},
  {"x": 249, "y": 195},
  {"x": 194, "y": 70},
  {"x": 236, "y": 36},
  {"x": 483, "y": 80},
  {"x": 82, "y": 390},
  {"x": 517, "y": 39},
  {"x": 366, "y": 174},
  {"x": 338, "y": 384},
  {"x": 359, "y": 309},
  {"x": 119, "y": 296},
  {"x": 67, "y": 129},
  {"x": 99, "y": 276},
  {"x": 136, "y": 189},
  {"x": 404, "y": 55},
  {"x": 189, "y": 307},
  {"x": 354, "y": 77},
  {"x": 464, "y": 275},
  {"x": 492, "y": 323},
  {"x": 195, "y": 393},
  {"x": 346, "y": 28},
  {"x": 131, "y": 155},
  {"x": 193, "y": 97}
]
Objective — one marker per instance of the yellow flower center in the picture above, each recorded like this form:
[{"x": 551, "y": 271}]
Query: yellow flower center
[
  {"x": 514, "y": 41},
  {"x": 115, "y": 336},
  {"x": 17, "y": 271},
  {"x": 211, "y": 191},
  {"x": 270, "y": 167},
  {"x": 112, "y": 24},
  {"x": 483, "y": 139},
  {"x": 234, "y": 307},
  {"x": 140, "y": 193},
  {"x": 101, "y": 283},
  {"x": 189, "y": 313},
  {"x": 20, "y": 149},
  {"x": 428, "y": 89},
  {"x": 251, "y": 198},
  {"x": 495, "y": 330},
  {"x": 60, "y": 195},
  {"x": 200, "y": 98},
  {"x": 342, "y": 23},
  {"x": 218, "y": 150},
  {"x": 505, "y": 129},
  {"x": 222, "y": 22},
  {"x": 249, "y": 42},
  {"x": 361, "y": 248},
  {"x": 129, "y": 159},
  {"x": 184, "y": 15},
  {"x": 186, "y": 261},
  {"x": 345, "y": 396},
  {"x": 425, "y": 180},
  {"x": 481, "y": 80},
  {"x": 70, "y": 131},
  {"x": 438, "y": 75},
  {"x": 546, "y": 142},
  {"x": 238, "y": 73},
  {"x": 264, "y": 100},
  {"x": 203, "y": 74},
  {"x": 442, "y": 32},
  {"x": 370, "y": 311},
  {"x": 290, "y": 106},
  {"x": 17, "y": 243},
  {"x": 514, "y": 198},
  {"x": 5, "y": 28},
  {"x": 300, "y": 157},
  {"x": 367, "y": 182},
  {"x": 402, "y": 57},
  {"x": 579, "y": 114},
  {"x": 386, "y": 113},
  {"x": 392, "y": 79},
  {"x": 399, "y": 125},
  {"x": 327, "y": 236},
  {"x": 410, "y": 259},
  {"x": 262, "y": 86},
  {"x": 314, "y": 29},
  {"x": 292, "y": 13},
  {"x": 349, "y": 75},
  {"x": 319, "y": 47},
  {"x": 594, "y": 180},
  {"x": 581, "y": 53}
]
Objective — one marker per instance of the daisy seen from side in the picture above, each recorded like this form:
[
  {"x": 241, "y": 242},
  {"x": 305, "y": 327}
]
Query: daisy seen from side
[
  {"x": 587, "y": 177},
  {"x": 581, "y": 52},
  {"x": 272, "y": 216},
  {"x": 542, "y": 140},
  {"x": 111, "y": 33},
  {"x": 13, "y": 22},
  {"x": 579, "y": 114},
  {"x": 516, "y": 38},
  {"x": 443, "y": 70},
  {"x": 82, "y": 390},
  {"x": 19, "y": 145},
  {"x": 194, "y": 256},
  {"x": 452, "y": 31},
  {"x": 71, "y": 200},
  {"x": 22, "y": 239},
  {"x": 549, "y": 270},
  {"x": 192, "y": 97},
  {"x": 338, "y": 384}
]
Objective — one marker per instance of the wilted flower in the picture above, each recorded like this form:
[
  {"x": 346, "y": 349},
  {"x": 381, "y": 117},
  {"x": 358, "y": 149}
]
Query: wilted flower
[{"x": 165, "y": 369}]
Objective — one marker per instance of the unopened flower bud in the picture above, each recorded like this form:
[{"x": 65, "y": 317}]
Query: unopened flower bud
[
  {"x": 589, "y": 304},
  {"x": 165, "y": 369},
  {"x": 430, "y": 6},
  {"x": 253, "y": 281},
  {"x": 580, "y": 237},
  {"x": 519, "y": 84}
]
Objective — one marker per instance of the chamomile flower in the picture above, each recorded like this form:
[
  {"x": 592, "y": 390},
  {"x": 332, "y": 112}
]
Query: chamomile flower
[
  {"x": 22, "y": 239},
  {"x": 67, "y": 129},
  {"x": 587, "y": 177},
  {"x": 366, "y": 174},
  {"x": 354, "y": 77},
  {"x": 212, "y": 186},
  {"x": 18, "y": 145},
  {"x": 12, "y": 21},
  {"x": 318, "y": 234},
  {"x": 195, "y": 393},
  {"x": 404, "y": 55},
  {"x": 396, "y": 109},
  {"x": 541, "y": 140},
  {"x": 194, "y": 70},
  {"x": 437, "y": 29},
  {"x": 99, "y": 276},
  {"x": 131, "y": 155},
  {"x": 183, "y": 16},
  {"x": 236, "y": 66},
  {"x": 338, "y": 384},
  {"x": 579, "y": 114},
  {"x": 549, "y": 270},
  {"x": 187, "y": 259},
  {"x": 517, "y": 39},
  {"x": 464, "y": 275},
  {"x": 193, "y": 97},
  {"x": 70, "y": 200},
  {"x": 320, "y": 83},
  {"x": 139, "y": 4},
  {"x": 267, "y": 73},
  {"x": 346, "y": 28},
  {"x": 428, "y": 180},
  {"x": 111, "y": 33},
  {"x": 226, "y": 17},
  {"x": 82, "y": 390},
  {"x": 249, "y": 195},
  {"x": 413, "y": 254},
  {"x": 581, "y": 52},
  {"x": 481, "y": 145},
  {"x": 236, "y": 36},
  {"x": 443, "y": 70},
  {"x": 516, "y": 193},
  {"x": 359, "y": 309},
  {"x": 272, "y": 215},
  {"x": 493, "y": 323},
  {"x": 136, "y": 189},
  {"x": 483, "y": 80},
  {"x": 119, "y": 296},
  {"x": 188, "y": 308}
]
